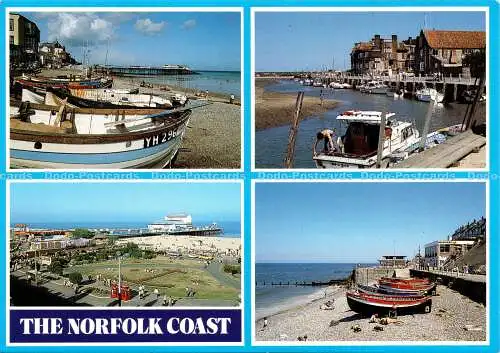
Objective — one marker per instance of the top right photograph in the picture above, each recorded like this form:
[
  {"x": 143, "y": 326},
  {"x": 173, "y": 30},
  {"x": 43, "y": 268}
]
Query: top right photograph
[{"x": 384, "y": 89}]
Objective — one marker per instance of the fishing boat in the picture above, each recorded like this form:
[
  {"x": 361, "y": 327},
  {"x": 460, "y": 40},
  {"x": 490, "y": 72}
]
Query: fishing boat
[
  {"x": 428, "y": 94},
  {"x": 399, "y": 285},
  {"x": 43, "y": 136},
  {"x": 41, "y": 86},
  {"x": 317, "y": 83},
  {"x": 376, "y": 289},
  {"x": 359, "y": 145},
  {"x": 395, "y": 93},
  {"x": 98, "y": 99},
  {"x": 122, "y": 98},
  {"x": 369, "y": 304}
]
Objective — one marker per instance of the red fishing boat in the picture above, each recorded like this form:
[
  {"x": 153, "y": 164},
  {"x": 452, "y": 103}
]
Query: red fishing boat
[
  {"x": 407, "y": 285},
  {"x": 373, "y": 303}
]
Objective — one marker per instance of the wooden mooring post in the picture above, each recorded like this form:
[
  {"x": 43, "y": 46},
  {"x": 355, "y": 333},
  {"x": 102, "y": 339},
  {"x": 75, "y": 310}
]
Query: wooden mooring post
[
  {"x": 381, "y": 139},
  {"x": 427, "y": 124},
  {"x": 293, "y": 131}
]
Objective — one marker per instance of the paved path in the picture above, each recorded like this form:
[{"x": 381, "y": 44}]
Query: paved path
[{"x": 216, "y": 270}]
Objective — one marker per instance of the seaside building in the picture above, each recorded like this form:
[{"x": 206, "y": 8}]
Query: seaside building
[
  {"x": 54, "y": 55},
  {"x": 471, "y": 231},
  {"x": 438, "y": 252},
  {"x": 24, "y": 37},
  {"x": 393, "y": 261},
  {"x": 382, "y": 56},
  {"x": 443, "y": 52}
]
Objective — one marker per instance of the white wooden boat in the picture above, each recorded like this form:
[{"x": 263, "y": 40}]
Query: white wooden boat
[
  {"x": 359, "y": 145},
  {"x": 50, "y": 137},
  {"x": 374, "y": 87}
]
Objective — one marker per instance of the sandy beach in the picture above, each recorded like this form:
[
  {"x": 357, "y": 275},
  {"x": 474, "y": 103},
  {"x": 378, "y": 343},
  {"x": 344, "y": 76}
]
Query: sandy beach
[
  {"x": 450, "y": 314},
  {"x": 213, "y": 137},
  {"x": 274, "y": 109},
  {"x": 186, "y": 243}
]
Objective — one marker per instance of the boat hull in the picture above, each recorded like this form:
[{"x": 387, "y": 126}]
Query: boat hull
[
  {"x": 360, "y": 305},
  {"x": 145, "y": 149}
]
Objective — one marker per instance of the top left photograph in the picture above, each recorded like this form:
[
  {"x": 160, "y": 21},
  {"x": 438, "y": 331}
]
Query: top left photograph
[{"x": 114, "y": 90}]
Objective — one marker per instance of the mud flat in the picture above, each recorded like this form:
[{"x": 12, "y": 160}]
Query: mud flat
[{"x": 274, "y": 109}]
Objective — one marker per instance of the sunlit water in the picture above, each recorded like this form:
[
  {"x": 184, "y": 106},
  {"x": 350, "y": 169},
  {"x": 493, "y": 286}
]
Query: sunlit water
[{"x": 271, "y": 144}]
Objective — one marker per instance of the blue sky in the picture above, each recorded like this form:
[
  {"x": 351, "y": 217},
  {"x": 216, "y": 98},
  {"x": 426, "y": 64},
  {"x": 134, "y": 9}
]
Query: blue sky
[
  {"x": 310, "y": 40},
  {"x": 358, "y": 222},
  {"x": 201, "y": 40},
  {"x": 122, "y": 202}
]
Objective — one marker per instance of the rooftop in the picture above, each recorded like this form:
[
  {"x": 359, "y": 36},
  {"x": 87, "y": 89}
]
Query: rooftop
[{"x": 456, "y": 39}]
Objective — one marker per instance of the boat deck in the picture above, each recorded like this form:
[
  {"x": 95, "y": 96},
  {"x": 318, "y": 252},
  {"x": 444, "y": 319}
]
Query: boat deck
[{"x": 445, "y": 154}]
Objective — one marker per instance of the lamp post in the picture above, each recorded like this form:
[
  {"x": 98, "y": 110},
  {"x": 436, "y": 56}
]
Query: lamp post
[{"x": 119, "y": 279}]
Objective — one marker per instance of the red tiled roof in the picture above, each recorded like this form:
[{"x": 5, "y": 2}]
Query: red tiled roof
[
  {"x": 456, "y": 39},
  {"x": 363, "y": 46}
]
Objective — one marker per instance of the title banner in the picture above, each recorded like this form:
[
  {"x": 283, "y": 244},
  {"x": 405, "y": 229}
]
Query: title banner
[{"x": 125, "y": 325}]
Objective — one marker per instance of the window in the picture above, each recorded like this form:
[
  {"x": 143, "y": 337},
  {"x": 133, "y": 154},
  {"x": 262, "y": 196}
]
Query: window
[
  {"x": 11, "y": 24},
  {"x": 11, "y": 39}
]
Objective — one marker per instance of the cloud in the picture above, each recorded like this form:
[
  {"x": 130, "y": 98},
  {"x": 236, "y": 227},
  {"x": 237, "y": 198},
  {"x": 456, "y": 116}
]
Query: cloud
[
  {"x": 78, "y": 29},
  {"x": 189, "y": 24},
  {"x": 148, "y": 27}
]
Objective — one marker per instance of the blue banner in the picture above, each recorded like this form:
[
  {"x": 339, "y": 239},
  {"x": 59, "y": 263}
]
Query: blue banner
[{"x": 125, "y": 325}]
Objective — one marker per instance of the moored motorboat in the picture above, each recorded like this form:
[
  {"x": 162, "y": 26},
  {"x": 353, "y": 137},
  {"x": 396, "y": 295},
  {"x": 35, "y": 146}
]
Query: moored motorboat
[
  {"x": 45, "y": 137},
  {"x": 369, "y": 304},
  {"x": 359, "y": 145}
]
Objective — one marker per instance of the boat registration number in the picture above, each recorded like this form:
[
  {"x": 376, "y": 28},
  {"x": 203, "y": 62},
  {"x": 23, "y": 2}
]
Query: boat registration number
[{"x": 160, "y": 138}]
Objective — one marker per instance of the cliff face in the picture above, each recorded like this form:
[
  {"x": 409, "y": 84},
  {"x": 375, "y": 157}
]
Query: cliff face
[{"x": 475, "y": 257}]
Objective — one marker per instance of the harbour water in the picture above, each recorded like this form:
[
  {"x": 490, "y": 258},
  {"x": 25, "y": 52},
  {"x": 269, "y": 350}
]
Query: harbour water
[
  {"x": 225, "y": 82},
  {"x": 271, "y": 144},
  {"x": 270, "y": 300}
]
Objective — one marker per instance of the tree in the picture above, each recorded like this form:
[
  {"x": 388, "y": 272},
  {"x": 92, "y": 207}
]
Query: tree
[
  {"x": 476, "y": 62},
  {"x": 75, "y": 277},
  {"x": 56, "y": 267},
  {"x": 82, "y": 233}
]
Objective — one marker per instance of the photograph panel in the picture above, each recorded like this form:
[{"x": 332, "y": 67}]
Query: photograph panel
[
  {"x": 401, "y": 89},
  {"x": 124, "y": 89},
  {"x": 370, "y": 262},
  {"x": 141, "y": 244}
]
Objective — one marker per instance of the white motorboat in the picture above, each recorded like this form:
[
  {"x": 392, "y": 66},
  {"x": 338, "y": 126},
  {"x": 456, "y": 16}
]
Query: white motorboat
[
  {"x": 359, "y": 145},
  {"x": 374, "y": 87},
  {"x": 428, "y": 94}
]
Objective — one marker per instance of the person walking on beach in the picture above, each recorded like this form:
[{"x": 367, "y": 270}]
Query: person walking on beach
[
  {"x": 327, "y": 136},
  {"x": 231, "y": 99},
  {"x": 265, "y": 324}
]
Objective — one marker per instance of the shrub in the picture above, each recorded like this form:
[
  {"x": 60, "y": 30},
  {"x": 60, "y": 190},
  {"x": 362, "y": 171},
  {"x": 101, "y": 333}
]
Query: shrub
[{"x": 75, "y": 277}]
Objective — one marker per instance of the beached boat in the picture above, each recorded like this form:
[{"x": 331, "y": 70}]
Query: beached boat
[
  {"x": 428, "y": 94},
  {"x": 369, "y": 304},
  {"x": 41, "y": 86},
  {"x": 405, "y": 286},
  {"x": 359, "y": 145},
  {"x": 139, "y": 100},
  {"x": 376, "y": 289},
  {"x": 45, "y": 137},
  {"x": 98, "y": 99}
]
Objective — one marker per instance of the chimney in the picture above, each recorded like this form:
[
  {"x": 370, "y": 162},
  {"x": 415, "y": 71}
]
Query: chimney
[
  {"x": 394, "y": 43},
  {"x": 377, "y": 42}
]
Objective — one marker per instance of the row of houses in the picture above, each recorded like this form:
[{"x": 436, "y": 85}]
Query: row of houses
[
  {"x": 431, "y": 52},
  {"x": 26, "y": 49}
]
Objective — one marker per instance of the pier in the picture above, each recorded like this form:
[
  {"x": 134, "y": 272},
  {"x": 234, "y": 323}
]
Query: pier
[{"x": 145, "y": 70}]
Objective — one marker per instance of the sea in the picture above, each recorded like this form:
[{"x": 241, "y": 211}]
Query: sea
[
  {"x": 270, "y": 300},
  {"x": 225, "y": 82},
  {"x": 231, "y": 228}
]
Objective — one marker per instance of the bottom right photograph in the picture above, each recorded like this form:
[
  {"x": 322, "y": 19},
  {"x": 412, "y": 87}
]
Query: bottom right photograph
[{"x": 370, "y": 261}]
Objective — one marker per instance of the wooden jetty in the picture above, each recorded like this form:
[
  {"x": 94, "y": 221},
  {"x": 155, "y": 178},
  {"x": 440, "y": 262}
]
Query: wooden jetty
[{"x": 446, "y": 154}]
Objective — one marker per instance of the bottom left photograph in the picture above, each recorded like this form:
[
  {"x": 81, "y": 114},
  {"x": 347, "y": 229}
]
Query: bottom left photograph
[{"x": 134, "y": 244}]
